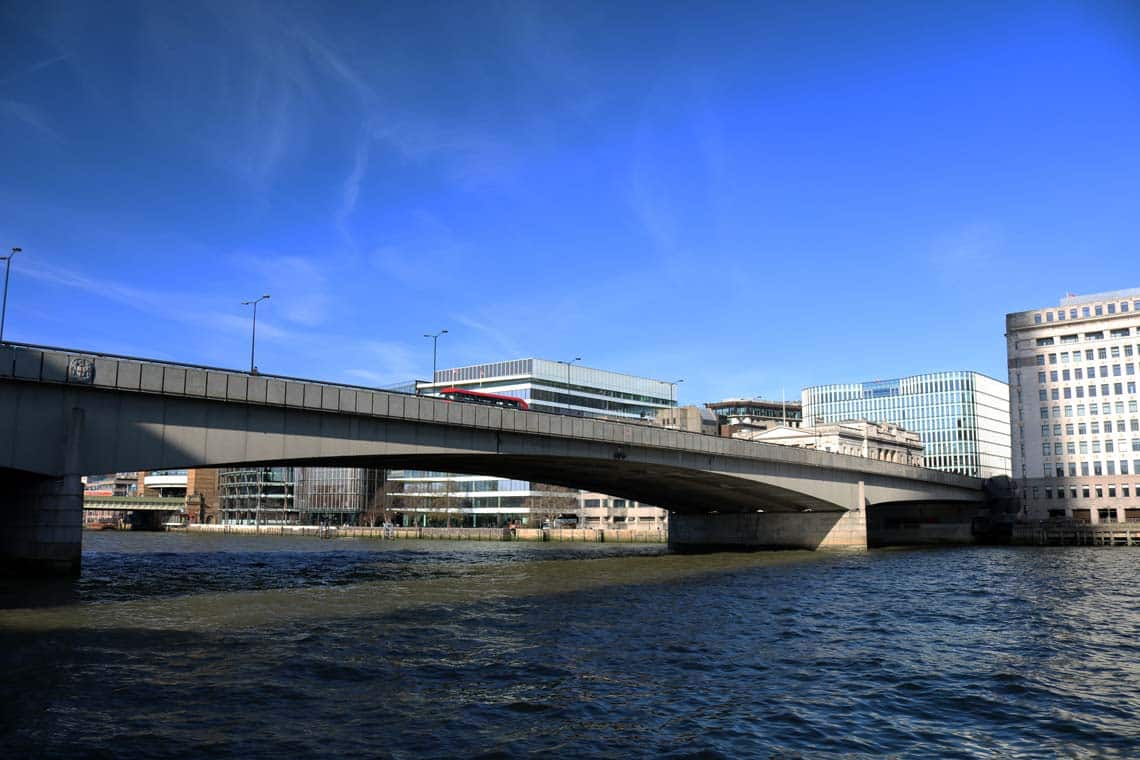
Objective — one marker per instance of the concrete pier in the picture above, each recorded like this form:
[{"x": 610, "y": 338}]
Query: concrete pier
[{"x": 42, "y": 530}]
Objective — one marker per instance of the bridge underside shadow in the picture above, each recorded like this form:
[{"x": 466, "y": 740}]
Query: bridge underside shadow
[{"x": 677, "y": 489}]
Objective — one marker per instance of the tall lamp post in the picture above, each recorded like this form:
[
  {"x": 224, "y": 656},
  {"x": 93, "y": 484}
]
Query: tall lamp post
[
  {"x": 434, "y": 349},
  {"x": 673, "y": 387},
  {"x": 4, "y": 307},
  {"x": 575, "y": 359},
  {"x": 253, "y": 338}
]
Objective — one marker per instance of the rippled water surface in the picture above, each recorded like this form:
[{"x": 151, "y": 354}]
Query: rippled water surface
[{"x": 189, "y": 646}]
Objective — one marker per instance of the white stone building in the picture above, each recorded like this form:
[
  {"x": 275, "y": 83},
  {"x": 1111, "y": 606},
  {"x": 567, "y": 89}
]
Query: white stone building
[
  {"x": 1073, "y": 372},
  {"x": 873, "y": 440}
]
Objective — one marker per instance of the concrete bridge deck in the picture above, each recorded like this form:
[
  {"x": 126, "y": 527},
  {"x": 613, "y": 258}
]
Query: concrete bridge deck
[{"x": 68, "y": 413}]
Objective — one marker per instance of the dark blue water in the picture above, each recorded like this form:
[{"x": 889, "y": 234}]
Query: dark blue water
[{"x": 186, "y": 646}]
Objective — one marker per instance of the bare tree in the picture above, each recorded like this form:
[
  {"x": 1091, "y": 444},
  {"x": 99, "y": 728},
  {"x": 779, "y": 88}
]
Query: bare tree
[{"x": 547, "y": 502}]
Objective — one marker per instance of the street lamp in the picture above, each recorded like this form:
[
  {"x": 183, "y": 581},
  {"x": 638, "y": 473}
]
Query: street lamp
[
  {"x": 4, "y": 307},
  {"x": 575, "y": 359},
  {"x": 434, "y": 349},
  {"x": 673, "y": 388},
  {"x": 253, "y": 338}
]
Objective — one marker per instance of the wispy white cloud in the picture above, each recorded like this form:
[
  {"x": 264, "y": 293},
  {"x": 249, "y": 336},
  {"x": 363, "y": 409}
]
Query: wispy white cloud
[
  {"x": 31, "y": 117},
  {"x": 501, "y": 342},
  {"x": 298, "y": 285},
  {"x": 350, "y": 192},
  {"x": 32, "y": 68},
  {"x": 968, "y": 251},
  {"x": 175, "y": 306}
]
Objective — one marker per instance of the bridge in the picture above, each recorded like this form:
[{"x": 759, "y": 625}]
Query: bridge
[{"x": 66, "y": 413}]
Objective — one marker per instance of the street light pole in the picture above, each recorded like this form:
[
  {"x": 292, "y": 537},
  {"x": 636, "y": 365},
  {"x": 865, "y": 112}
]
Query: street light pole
[
  {"x": 434, "y": 349},
  {"x": 253, "y": 338},
  {"x": 575, "y": 359},
  {"x": 4, "y": 307},
  {"x": 673, "y": 386}
]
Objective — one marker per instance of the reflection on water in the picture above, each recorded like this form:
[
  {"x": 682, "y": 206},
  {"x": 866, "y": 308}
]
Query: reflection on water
[{"x": 254, "y": 646}]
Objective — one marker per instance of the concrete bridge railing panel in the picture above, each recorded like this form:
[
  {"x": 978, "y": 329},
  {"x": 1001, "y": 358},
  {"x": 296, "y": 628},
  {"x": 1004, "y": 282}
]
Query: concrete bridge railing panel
[
  {"x": 106, "y": 373},
  {"x": 129, "y": 376},
  {"x": 174, "y": 380},
  {"x": 254, "y": 390},
  {"x": 217, "y": 385},
  {"x": 151, "y": 381},
  {"x": 310, "y": 395},
  {"x": 28, "y": 365},
  {"x": 196, "y": 383}
]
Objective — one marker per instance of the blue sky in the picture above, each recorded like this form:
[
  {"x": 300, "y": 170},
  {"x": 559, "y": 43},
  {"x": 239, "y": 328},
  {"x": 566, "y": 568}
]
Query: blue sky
[{"x": 753, "y": 197}]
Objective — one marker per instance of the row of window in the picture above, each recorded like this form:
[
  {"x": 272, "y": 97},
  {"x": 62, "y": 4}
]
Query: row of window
[
  {"x": 1106, "y": 389},
  {"x": 1097, "y": 467},
  {"x": 1071, "y": 447},
  {"x": 1119, "y": 332},
  {"x": 1087, "y": 492},
  {"x": 1093, "y": 428},
  {"x": 1088, "y": 354},
  {"x": 1098, "y": 310},
  {"x": 1093, "y": 409}
]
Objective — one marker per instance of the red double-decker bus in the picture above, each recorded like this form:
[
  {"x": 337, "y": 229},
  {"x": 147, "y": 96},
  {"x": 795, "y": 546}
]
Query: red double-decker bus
[{"x": 487, "y": 399}]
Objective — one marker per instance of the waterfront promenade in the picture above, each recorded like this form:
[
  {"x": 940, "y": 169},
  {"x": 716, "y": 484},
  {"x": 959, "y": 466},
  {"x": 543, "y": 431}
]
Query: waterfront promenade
[{"x": 557, "y": 535}]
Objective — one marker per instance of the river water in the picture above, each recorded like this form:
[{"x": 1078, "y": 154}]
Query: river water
[{"x": 244, "y": 646}]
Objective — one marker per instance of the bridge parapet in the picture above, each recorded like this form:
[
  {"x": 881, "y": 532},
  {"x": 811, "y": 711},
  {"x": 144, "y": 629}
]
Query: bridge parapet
[{"x": 42, "y": 364}]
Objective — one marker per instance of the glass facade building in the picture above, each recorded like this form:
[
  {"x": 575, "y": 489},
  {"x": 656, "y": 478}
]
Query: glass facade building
[
  {"x": 547, "y": 386},
  {"x": 299, "y": 495},
  {"x": 562, "y": 387},
  {"x": 962, "y": 417},
  {"x": 1073, "y": 374}
]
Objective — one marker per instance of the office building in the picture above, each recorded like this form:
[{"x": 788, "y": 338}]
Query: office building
[
  {"x": 301, "y": 495},
  {"x": 1076, "y": 426},
  {"x": 546, "y": 386},
  {"x": 753, "y": 415},
  {"x": 961, "y": 417}
]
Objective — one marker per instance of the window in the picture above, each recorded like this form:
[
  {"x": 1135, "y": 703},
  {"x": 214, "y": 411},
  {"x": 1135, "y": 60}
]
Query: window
[
  {"x": 1044, "y": 341},
  {"x": 1036, "y": 319},
  {"x": 1085, "y": 470},
  {"x": 1042, "y": 395},
  {"x": 1040, "y": 358},
  {"x": 1082, "y": 428},
  {"x": 1041, "y": 378},
  {"x": 1046, "y": 449},
  {"x": 1085, "y": 311},
  {"x": 1111, "y": 308}
]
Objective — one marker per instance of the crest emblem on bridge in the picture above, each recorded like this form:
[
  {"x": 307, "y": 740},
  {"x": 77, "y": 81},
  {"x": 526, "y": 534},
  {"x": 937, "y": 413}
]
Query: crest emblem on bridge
[{"x": 81, "y": 371}]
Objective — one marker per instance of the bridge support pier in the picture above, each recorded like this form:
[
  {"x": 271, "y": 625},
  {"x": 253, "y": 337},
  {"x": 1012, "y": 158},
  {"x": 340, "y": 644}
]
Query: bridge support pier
[
  {"x": 41, "y": 525},
  {"x": 769, "y": 530},
  {"x": 41, "y": 517}
]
